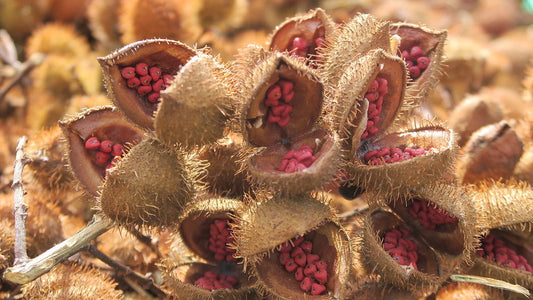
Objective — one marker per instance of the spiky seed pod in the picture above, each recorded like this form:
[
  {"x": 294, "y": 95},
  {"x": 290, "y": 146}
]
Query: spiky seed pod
[
  {"x": 304, "y": 35},
  {"x": 369, "y": 96},
  {"x": 356, "y": 38},
  {"x": 7, "y": 240},
  {"x": 428, "y": 152},
  {"x": 55, "y": 76},
  {"x": 421, "y": 274},
  {"x": 492, "y": 152},
  {"x": 145, "y": 19},
  {"x": 419, "y": 42},
  {"x": 443, "y": 215},
  {"x": 98, "y": 124},
  {"x": 120, "y": 66},
  {"x": 247, "y": 58},
  {"x": 72, "y": 281},
  {"x": 524, "y": 168},
  {"x": 262, "y": 229},
  {"x": 302, "y": 93},
  {"x": 196, "y": 106},
  {"x": 57, "y": 39},
  {"x": 222, "y": 15},
  {"x": 149, "y": 186},
  {"x": 102, "y": 16},
  {"x": 293, "y": 170},
  {"x": 462, "y": 290}
]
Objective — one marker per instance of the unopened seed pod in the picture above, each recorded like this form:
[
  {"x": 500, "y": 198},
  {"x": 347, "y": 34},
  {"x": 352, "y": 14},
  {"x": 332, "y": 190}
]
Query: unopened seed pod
[
  {"x": 155, "y": 62},
  {"x": 57, "y": 39},
  {"x": 149, "y": 186},
  {"x": 196, "y": 105},
  {"x": 84, "y": 133},
  {"x": 102, "y": 16}
]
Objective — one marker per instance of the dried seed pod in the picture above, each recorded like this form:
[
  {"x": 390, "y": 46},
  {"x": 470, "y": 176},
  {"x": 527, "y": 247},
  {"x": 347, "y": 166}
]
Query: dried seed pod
[
  {"x": 72, "y": 281},
  {"x": 462, "y": 290},
  {"x": 57, "y": 39},
  {"x": 422, "y": 49},
  {"x": 138, "y": 100},
  {"x": 399, "y": 257},
  {"x": 196, "y": 105},
  {"x": 149, "y": 186},
  {"x": 304, "y": 35},
  {"x": 222, "y": 15},
  {"x": 356, "y": 38},
  {"x": 369, "y": 96},
  {"x": 94, "y": 125},
  {"x": 491, "y": 153},
  {"x": 102, "y": 16},
  {"x": 429, "y": 152}
]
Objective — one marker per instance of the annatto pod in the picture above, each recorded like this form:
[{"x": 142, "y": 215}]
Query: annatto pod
[
  {"x": 196, "y": 105},
  {"x": 150, "y": 185},
  {"x": 391, "y": 250},
  {"x": 295, "y": 248},
  {"x": 462, "y": 290},
  {"x": 505, "y": 214},
  {"x": 96, "y": 139},
  {"x": 422, "y": 50},
  {"x": 427, "y": 152},
  {"x": 491, "y": 153},
  {"x": 369, "y": 96},
  {"x": 136, "y": 74},
  {"x": 304, "y": 35}
]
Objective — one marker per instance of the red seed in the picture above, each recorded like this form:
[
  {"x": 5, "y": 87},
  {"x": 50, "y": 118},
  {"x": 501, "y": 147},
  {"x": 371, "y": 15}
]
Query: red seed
[
  {"x": 297, "y": 251},
  {"x": 290, "y": 266},
  {"x": 307, "y": 246},
  {"x": 106, "y": 146},
  {"x": 319, "y": 41},
  {"x": 284, "y": 258},
  {"x": 284, "y": 121},
  {"x": 153, "y": 97},
  {"x": 310, "y": 269},
  {"x": 286, "y": 87},
  {"x": 299, "y": 274},
  {"x": 317, "y": 288},
  {"x": 155, "y": 72},
  {"x": 422, "y": 62},
  {"x": 285, "y": 247},
  {"x": 321, "y": 265},
  {"x": 414, "y": 72},
  {"x": 287, "y": 110},
  {"x": 117, "y": 150},
  {"x": 102, "y": 157},
  {"x": 159, "y": 85},
  {"x": 274, "y": 93},
  {"x": 291, "y": 167},
  {"x": 297, "y": 241},
  {"x": 271, "y": 118},
  {"x": 373, "y": 86},
  {"x": 312, "y": 258},
  {"x": 168, "y": 79},
  {"x": 306, "y": 284},
  {"x": 141, "y": 69},
  {"x": 405, "y": 54},
  {"x": 288, "y": 97},
  {"x": 146, "y": 80},
  {"x": 144, "y": 90},
  {"x": 127, "y": 72},
  {"x": 416, "y": 52},
  {"x": 92, "y": 143},
  {"x": 300, "y": 259},
  {"x": 321, "y": 276},
  {"x": 133, "y": 82},
  {"x": 278, "y": 110},
  {"x": 299, "y": 43}
]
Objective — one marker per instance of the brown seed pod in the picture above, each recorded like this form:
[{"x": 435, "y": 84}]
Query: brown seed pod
[
  {"x": 418, "y": 42},
  {"x": 124, "y": 84},
  {"x": 461, "y": 290},
  {"x": 491, "y": 153},
  {"x": 369, "y": 97},
  {"x": 102, "y": 16},
  {"x": 149, "y": 186},
  {"x": 196, "y": 105},
  {"x": 57, "y": 39},
  {"x": 428, "y": 152},
  {"x": 100, "y": 124},
  {"x": 303, "y": 36},
  {"x": 417, "y": 269},
  {"x": 222, "y": 15}
]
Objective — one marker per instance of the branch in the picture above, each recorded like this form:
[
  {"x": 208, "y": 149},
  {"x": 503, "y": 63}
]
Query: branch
[
  {"x": 20, "y": 208},
  {"x": 26, "y": 272},
  {"x": 25, "y": 68}
]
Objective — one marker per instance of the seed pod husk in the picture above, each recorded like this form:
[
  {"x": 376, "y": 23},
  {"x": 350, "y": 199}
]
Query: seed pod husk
[
  {"x": 149, "y": 186},
  {"x": 104, "y": 123},
  {"x": 101, "y": 18},
  {"x": 434, "y": 165},
  {"x": 57, "y": 39},
  {"x": 168, "y": 55},
  {"x": 431, "y": 42},
  {"x": 350, "y": 111},
  {"x": 462, "y": 290},
  {"x": 491, "y": 153},
  {"x": 425, "y": 279},
  {"x": 196, "y": 105}
]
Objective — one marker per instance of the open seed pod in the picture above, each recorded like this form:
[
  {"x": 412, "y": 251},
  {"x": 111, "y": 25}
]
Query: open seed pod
[
  {"x": 354, "y": 39},
  {"x": 402, "y": 259},
  {"x": 268, "y": 233},
  {"x": 302, "y": 36},
  {"x": 196, "y": 105},
  {"x": 492, "y": 152},
  {"x": 149, "y": 186},
  {"x": 95, "y": 138},
  {"x": 136, "y": 74},
  {"x": 369, "y": 97},
  {"x": 421, "y": 48},
  {"x": 427, "y": 152},
  {"x": 442, "y": 215}
]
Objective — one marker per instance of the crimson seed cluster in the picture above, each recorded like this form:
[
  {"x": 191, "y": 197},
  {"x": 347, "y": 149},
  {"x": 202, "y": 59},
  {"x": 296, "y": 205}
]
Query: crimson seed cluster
[
  {"x": 219, "y": 238},
  {"x": 215, "y": 281},
  {"x": 429, "y": 215},
  {"x": 297, "y": 160},
  {"x": 400, "y": 248},
  {"x": 106, "y": 153},
  {"x": 277, "y": 101},
  {"x": 308, "y": 268},
  {"x": 302, "y": 48},
  {"x": 495, "y": 249},
  {"x": 147, "y": 81},
  {"x": 388, "y": 155},
  {"x": 416, "y": 61},
  {"x": 375, "y": 93}
]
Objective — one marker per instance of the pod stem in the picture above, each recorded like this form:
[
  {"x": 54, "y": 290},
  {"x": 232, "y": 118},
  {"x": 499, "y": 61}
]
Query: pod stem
[{"x": 500, "y": 284}]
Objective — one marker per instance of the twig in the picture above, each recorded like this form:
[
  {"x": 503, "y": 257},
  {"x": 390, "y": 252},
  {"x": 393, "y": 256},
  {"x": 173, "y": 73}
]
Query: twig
[
  {"x": 146, "y": 283},
  {"x": 20, "y": 208},
  {"x": 491, "y": 282},
  {"x": 33, "y": 268},
  {"x": 145, "y": 239},
  {"x": 25, "y": 68}
]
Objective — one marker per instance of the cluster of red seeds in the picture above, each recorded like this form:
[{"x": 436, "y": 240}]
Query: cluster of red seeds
[
  {"x": 297, "y": 160},
  {"x": 219, "y": 238},
  {"x": 106, "y": 153},
  {"x": 416, "y": 61},
  {"x": 495, "y": 249},
  {"x": 400, "y": 248},
  {"x": 308, "y": 268},
  {"x": 429, "y": 215},
  {"x": 277, "y": 101},
  {"x": 215, "y": 281},
  {"x": 302, "y": 48},
  {"x": 147, "y": 81},
  {"x": 388, "y": 155},
  {"x": 375, "y": 93}
]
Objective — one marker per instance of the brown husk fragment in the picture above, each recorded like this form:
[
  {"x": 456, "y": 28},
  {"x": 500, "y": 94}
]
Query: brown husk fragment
[
  {"x": 105, "y": 123},
  {"x": 168, "y": 55}
]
